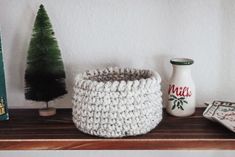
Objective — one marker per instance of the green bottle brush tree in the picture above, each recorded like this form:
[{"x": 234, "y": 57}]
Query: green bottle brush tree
[{"x": 44, "y": 75}]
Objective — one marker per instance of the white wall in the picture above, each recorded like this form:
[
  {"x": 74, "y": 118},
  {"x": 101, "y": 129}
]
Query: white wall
[
  {"x": 133, "y": 33},
  {"x": 127, "y": 33}
]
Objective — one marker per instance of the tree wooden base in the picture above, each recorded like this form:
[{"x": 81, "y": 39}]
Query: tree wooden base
[{"x": 45, "y": 112}]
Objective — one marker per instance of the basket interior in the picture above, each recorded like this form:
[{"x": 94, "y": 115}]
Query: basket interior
[{"x": 126, "y": 75}]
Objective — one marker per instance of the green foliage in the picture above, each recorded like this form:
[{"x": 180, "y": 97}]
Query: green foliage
[
  {"x": 178, "y": 102},
  {"x": 44, "y": 75}
]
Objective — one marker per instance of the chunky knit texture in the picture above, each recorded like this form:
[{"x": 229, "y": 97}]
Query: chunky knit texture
[{"x": 116, "y": 102}]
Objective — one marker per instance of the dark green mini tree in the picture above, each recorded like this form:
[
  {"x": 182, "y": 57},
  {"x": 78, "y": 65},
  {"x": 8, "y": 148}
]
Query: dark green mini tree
[{"x": 44, "y": 75}]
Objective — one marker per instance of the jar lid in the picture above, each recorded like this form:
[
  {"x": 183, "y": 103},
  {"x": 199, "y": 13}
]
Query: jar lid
[{"x": 181, "y": 61}]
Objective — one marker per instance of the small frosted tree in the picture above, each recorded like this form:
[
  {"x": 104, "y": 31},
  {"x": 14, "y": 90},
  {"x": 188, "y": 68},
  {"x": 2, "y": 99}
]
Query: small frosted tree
[{"x": 44, "y": 75}]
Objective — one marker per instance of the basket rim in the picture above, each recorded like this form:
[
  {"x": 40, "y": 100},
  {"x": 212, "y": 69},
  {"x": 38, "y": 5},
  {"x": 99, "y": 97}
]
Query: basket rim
[
  {"x": 82, "y": 81},
  {"x": 82, "y": 76}
]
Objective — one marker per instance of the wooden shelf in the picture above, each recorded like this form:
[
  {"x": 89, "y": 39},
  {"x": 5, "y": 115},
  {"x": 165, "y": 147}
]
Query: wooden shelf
[{"x": 26, "y": 130}]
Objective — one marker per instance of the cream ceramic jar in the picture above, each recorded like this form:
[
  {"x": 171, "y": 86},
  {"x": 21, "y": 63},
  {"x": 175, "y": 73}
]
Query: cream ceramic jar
[{"x": 181, "y": 90}]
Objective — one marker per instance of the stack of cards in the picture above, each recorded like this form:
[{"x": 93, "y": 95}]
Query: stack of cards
[
  {"x": 3, "y": 95},
  {"x": 221, "y": 112}
]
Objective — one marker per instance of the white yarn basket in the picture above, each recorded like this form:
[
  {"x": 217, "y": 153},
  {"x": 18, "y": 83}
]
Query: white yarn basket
[{"x": 117, "y": 102}]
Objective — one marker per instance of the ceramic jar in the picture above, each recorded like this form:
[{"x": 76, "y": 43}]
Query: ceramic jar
[{"x": 181, "y": 90}]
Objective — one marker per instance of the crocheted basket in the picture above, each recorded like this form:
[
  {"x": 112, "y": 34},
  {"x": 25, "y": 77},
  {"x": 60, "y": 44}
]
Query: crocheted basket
[{"x": 117, "y": 102}]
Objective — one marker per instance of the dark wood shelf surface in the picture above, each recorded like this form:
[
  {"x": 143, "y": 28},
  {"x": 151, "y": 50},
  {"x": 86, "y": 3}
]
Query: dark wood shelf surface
[{"x": 26, "y": 131}]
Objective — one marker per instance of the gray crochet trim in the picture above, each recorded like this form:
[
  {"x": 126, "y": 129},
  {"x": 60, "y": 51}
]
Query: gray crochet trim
[{"x": 117, "y": 102}]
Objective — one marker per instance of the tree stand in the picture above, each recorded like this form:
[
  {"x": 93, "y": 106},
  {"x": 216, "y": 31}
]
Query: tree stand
[{"x": 48, "y": 111}]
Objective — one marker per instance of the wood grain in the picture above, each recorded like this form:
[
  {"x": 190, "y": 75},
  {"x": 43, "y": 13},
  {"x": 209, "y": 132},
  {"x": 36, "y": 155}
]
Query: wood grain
[{"x": 26, "y": 130}]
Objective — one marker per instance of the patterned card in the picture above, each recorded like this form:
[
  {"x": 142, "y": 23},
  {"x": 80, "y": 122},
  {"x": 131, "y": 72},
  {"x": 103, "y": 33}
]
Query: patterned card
[
  {"x": 225, "y": 115},
  {"x": 221, "y": 112},
  {"x": 211, "y": 108}
]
